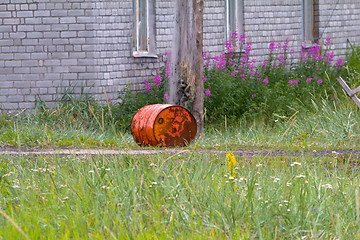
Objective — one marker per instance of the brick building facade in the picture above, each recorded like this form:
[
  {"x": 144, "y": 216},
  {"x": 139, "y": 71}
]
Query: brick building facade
[{"x": 48, "y": 45}]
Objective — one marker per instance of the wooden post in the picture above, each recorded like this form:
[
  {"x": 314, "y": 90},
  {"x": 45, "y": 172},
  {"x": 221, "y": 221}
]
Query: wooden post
[
  {"x": 186, "y": 84},
  {"x": 349, "y": 92},
  {"x": 198, "y": 105}
]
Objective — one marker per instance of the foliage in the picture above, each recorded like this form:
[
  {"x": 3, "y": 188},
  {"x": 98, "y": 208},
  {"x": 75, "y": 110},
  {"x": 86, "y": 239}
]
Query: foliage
[
  {"x": 239, "y": 86},
  {"x": 155, "y": 92}
]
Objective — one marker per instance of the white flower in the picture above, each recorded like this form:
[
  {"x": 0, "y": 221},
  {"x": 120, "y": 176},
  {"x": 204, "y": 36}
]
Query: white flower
[
  {"x": 231, "y": 177},
  {"x": 288, "y": 184},
  {"x": 276, "y": 180},
  {"x": 107, "y": 169},
  {"x": 91, "y": 171},
  {"x": 327, "y": 186},
  {"x": 152, "y": 165},
  {"x": 258, "y": 165},
  {"x": 300, "y": 176},
  {"x": 154, "y": 183},
  {"x": 295, "y": 163}
]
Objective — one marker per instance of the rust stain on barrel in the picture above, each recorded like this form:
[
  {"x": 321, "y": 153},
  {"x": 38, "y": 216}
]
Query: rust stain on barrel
[{"x": 163, "y": 124}]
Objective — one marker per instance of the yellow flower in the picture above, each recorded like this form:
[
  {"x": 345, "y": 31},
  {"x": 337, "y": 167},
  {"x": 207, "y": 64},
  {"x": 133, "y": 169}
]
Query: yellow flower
[{"x": 231, "y": 162}]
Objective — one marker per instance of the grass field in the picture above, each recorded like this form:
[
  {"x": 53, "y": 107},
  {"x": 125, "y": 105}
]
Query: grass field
[
  {"x": 189, "y": 196},
  {"x": 182, "y": 196}
]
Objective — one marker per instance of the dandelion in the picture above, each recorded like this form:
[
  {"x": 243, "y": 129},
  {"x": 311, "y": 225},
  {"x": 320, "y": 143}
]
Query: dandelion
[
  {"x": 266, "y": 81},
  {"x": 320, "y": 81}
]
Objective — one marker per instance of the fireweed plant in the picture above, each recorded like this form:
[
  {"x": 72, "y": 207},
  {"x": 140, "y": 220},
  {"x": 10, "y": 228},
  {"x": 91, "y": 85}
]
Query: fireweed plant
[{"x": 237, "y": 85}]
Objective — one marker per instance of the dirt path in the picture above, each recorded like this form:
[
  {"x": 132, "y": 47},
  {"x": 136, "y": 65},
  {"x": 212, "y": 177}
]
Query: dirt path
[{"x": 354, "y": 154}]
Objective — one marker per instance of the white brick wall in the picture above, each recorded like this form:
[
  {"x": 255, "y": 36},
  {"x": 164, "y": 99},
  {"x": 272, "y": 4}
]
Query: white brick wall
[{"x": 48, "y": 45}]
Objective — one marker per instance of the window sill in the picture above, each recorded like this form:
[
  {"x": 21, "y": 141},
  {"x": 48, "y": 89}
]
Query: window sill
[
  {"x": 308, "y": 44},
  {"x": 144, "y": 55}
]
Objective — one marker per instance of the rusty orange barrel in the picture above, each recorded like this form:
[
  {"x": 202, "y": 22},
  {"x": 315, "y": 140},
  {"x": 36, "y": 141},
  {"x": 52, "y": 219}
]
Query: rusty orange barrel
[{"x": 163, "y": 125}]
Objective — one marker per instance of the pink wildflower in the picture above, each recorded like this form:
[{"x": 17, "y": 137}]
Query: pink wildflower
[
  {"x": 207, "y": 93},
  {"x": 234, "y": 35},
  {"x": 233, "y": 73},
  {"x": 320, "y": 81},
  {"x": 291, "y": 82},
  {"x": 327, "y": 41},
  {"x": 253, "y": 96},
  {"x": 157, "y": 80},
  {"x": 242, "y": 38},
  {"x": 286, "y": 45},
  {"x": 266, "y": 81},
  {"x": 272, "y": 46},
  {"x": 166, "y": 97},
  {"x": 147, "y": 85},
  {"x": 340, "y": 62},
  {"x": 308, "y": 79},
  {"x": 205, "y": 79},
  {"x": 296, "y": 81}
]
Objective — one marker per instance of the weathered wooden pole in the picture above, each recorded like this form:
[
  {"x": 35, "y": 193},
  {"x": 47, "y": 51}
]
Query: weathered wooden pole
[
  {"x": 186, "y": 84},
  {"x": 198, "y": 105}
]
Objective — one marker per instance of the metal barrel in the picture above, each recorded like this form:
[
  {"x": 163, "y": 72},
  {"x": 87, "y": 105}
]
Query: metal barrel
[{"x": 163, "y": 125}]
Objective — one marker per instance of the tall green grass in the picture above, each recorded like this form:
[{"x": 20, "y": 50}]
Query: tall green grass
[{"x": 178, "y": 196}]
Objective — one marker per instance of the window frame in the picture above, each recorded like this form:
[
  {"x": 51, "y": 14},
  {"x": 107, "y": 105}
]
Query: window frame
[
  {"x": 308, "y": 22},
  {"x": 238, "y": 17},
  {"x": 149, "y": 12}
]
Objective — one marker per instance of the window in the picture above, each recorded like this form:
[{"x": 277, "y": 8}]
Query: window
[
  {"x": 143, "y": 28},
  {"x": 309, "y": 31},
  {"x": 234, "y": 18}
]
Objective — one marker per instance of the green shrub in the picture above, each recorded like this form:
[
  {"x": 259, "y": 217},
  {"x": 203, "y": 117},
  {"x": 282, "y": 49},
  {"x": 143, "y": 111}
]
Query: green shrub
[{"x": 237, "y": 86}]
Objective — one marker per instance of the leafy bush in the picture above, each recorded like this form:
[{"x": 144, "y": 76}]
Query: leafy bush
[
  {"x": 155, "y": 91},
  {"x": 239, "y": 86}
]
